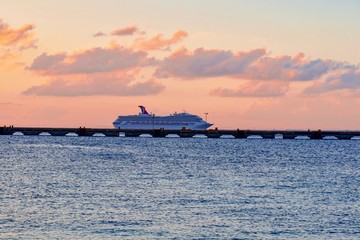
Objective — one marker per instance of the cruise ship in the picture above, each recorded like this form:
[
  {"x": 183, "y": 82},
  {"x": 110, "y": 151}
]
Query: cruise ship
[{"x": 176, "y": 121}]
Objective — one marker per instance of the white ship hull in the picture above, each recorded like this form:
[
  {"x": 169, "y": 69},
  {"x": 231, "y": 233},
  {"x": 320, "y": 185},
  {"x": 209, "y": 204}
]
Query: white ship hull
[{"x": 176, "y": 121}]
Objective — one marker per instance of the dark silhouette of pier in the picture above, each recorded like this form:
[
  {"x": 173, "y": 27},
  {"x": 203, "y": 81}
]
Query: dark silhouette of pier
[{"x": 184, "y": 133}]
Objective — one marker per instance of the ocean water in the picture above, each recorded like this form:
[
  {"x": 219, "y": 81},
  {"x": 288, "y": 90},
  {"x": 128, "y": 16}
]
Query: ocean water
[{"x": 148, "y": 188}]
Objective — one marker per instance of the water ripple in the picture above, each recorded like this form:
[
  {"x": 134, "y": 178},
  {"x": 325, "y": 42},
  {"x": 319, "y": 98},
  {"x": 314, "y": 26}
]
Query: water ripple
[{"x": 148, "y": 188}]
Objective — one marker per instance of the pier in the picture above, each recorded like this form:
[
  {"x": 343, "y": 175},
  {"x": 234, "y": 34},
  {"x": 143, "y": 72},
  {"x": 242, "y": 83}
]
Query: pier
[{"x": 184, "y": 133}]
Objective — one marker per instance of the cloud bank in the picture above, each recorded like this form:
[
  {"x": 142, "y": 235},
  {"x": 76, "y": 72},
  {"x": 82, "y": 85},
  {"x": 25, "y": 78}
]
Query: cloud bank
[
  {"x": 266, "y": 75},
  {"x": 260, "y": 74},
  {"x": 255, "y": 64}
]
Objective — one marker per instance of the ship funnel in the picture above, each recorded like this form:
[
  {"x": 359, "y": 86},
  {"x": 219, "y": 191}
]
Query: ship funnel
[{"x": 143, "y": 110}]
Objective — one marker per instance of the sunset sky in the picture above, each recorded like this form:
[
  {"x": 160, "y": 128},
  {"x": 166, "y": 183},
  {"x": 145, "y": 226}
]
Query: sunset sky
[{"x": 249, "y": 64}]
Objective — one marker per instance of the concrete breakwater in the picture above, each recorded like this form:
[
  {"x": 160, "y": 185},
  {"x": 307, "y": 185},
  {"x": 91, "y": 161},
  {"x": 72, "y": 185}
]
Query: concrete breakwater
[{"x": 184, "y": 133}]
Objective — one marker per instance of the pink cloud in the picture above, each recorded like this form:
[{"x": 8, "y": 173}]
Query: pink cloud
[
  {"x": 159, "y": 42},
  {"x": 255, "y": 89},
  {"x": 290, "y": 68},
  {"x": 94, "y": 60},
  {"x": 341, "y": 80},
  {"x": 207, "y": 63},
  {"x": 130, "y": 30},
  {"x": 22, "y": 37},
  {"x": 115, "y": 86}
]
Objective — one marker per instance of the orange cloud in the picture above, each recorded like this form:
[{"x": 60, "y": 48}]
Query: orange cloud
[
  {"x": 22, "y": 37},
  {"x": 159, "y": 42}
]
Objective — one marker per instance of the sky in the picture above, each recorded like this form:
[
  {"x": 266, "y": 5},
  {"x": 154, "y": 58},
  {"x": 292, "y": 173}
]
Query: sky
[{"x": 249, "y": 64}]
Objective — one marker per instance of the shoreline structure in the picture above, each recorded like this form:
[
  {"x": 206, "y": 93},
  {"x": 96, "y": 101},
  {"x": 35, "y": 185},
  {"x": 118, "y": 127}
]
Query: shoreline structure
[{"x": 183, "y": 133}]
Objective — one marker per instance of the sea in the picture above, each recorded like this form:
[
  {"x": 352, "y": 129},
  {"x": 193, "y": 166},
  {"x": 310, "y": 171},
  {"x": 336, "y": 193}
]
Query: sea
[{"x": 175, "y": 188}]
